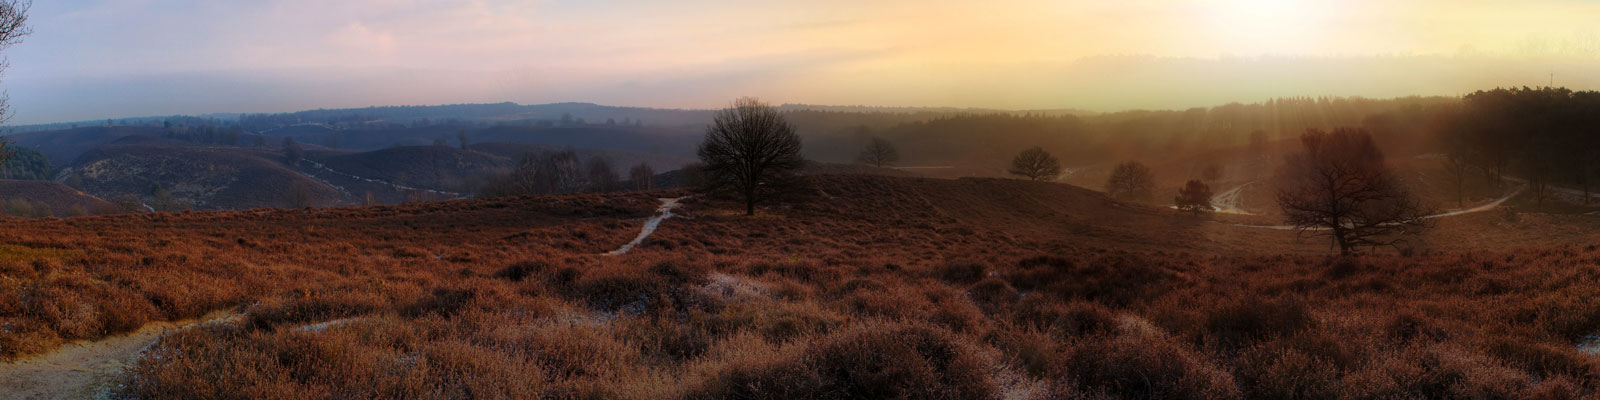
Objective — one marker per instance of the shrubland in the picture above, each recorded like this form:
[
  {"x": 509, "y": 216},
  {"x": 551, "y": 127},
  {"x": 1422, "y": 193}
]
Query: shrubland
[{"x": 875, "y": 287}]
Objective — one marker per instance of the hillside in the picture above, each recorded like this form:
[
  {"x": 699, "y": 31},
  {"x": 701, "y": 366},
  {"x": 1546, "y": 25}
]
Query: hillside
[
  {"x": 972, "y": 288},
  {"x": 197, "y": 176},
  {"x": 440, "y": 168},
  {"x": 62, "y": 147},
  {"x": 56, "y": 199},
  {"x": 620, "y": 159}
]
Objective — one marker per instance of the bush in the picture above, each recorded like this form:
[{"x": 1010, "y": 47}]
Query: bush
[
  {"x": 962, "y": 272},
  {"x": 1251, "y": 319},
  {"x": 1139, "y": 363},
  {"x": 870, "y": 361}
]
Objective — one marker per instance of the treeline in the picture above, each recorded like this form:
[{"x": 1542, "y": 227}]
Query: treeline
[
  {"x": 992, "y": 138},
  {"x": 563, "y": 171},
  {"x": 25, "y": 164},
  {"x": 1542, "y": 135}
]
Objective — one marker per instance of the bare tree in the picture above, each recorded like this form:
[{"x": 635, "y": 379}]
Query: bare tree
[
  {"x": 751, "y": 150},
  {"x": 560, "y": 172},
  {"x": 879, "y": 153},
  {"x": 601, "y": 177},
  {"x": 299, "y": 195},
  {"x": 1195, "y": 196},
  {"x": 521, "y": 181},
  {"x": 1339, "y": 186},
  {"x": 1212, "y": 173},
  {"x": 643, "y": 176},
  {"x": 1457, "y": 166},
  {"x": 13, "y": 26},
  {"x": 292, "y": 152},
  {"x": 1131, "y": 181},
  {"x": 1036, "y": 164}
]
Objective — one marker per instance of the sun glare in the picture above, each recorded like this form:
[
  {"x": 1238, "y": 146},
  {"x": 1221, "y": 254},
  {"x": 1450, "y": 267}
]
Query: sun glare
[{"x": 1265, "y": 26}]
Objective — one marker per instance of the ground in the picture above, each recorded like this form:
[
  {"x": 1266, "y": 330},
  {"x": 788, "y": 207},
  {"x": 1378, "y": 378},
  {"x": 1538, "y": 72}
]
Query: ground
[{"x": 865, "y": 287}]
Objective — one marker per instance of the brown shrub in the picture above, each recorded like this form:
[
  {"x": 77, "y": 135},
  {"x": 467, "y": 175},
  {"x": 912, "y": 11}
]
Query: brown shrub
[
  {"x": 1250, "y": 319},
  {"x": 1065, "y": 320},
  {"x": 869, "y": 361},
  {"x": 962, "y": 272},
  {"x": 1140, "y": 363}
]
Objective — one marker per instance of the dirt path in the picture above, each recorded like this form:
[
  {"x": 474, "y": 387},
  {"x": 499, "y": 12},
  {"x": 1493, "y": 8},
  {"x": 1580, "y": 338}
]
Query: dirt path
[
  {"x": 84, "y": 370},
  {"x": 1476, "y": 209},
  {"x": 662, "y": 213},
  {"x": 1228, "y": 202}
]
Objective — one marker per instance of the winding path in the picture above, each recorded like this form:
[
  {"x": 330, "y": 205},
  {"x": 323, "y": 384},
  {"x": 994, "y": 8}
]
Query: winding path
[
  {"x": 662, "y": 213},
  {"x": 83, "y": 370},
  {"x": 1475, "y": 209}
]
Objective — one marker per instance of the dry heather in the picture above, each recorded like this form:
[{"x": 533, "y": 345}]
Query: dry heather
[{"x": 876, "y": 288}]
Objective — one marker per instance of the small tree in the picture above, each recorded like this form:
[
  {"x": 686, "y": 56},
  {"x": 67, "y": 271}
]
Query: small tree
[
  {"x": 878, "y": 153},
  {"x": 162, "y": 200},
  {"x": 751, "y": 150},
  {"x": 1212, "y": 173},
  {"x": 299, "y": 196},
  {"x": 461, "y": 137},
  {"x": 643, "y": 176},
  {"x": 1195, "y": 196},
  {"x": 1131, "y": 181},
  {"x": 292, "y": 152},
  {"x": 1035, "y": 164},
  {"x": 1339, "y": 186},
  {"x": 560, "y": 172},
  {"x": 601, "y": 177}
]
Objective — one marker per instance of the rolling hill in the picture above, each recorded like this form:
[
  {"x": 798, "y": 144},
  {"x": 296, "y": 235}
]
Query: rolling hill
[
  {"x": 45, "y": 197},
  {"x": 201, "y": 177},
  {"x": 900, "y": 287}
]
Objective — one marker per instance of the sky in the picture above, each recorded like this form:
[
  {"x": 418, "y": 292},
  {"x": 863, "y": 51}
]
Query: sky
[{"x": 94, "y": 59}]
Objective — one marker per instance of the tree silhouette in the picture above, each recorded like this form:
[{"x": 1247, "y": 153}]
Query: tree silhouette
[
  {"x": 643, "y": 176},
  {"x": 878, "y": 153},
  {"x": 1035, "y": 164},
  {"x": 1131, "y": 181},
  {"x": 1195, "y": 196},
  {"x": 1339, "y": 186},
  {"x": 13, "y": 26},
  {"x": 750, "y": 150},
  {"x": 292, "y": 152},
  {"x": 602, "y": 178}
]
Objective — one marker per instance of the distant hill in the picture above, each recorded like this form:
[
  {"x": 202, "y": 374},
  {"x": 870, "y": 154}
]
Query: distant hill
[
  {"x": 62, "y": 147},
  {"x": 620, "y": 159},
  {"x": 442, "y": 168},
  {"x": 199, "y": 176},
  {"x": 54, "y": 198}
]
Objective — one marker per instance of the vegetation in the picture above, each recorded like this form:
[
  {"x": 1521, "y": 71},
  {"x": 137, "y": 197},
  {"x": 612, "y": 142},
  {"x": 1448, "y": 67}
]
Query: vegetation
[
  {"x": 878, "y": 153},
  {"x": 643, "y": 176},
  {"x": 1131, "y": 181},
  {"x": 1195, "y": 197},
  {"x": 1340, "y": 186},
  {"x": 1036, "y": 165},
  {"x": 510, "y": 297},
  {"x": 751, "y": 151},
  {"x": 1542, "y": 135},
  {"x": 23, "y": 163}
]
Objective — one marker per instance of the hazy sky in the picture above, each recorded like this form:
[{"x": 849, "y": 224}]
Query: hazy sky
[{"x": 90, "y": 59}]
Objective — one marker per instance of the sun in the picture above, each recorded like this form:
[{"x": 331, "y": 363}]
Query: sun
[{"x": 1265, "y": 26}]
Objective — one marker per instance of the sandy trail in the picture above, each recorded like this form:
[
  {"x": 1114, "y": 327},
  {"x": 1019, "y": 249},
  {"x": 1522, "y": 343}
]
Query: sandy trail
[
  {"x": 1228, "y": 202},
  {"x": 82, "y": 370},
  {"x": 1492, "y": 204},
  {"x": 662, "y": 213},
  {"x": 397, "y": 187}
]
